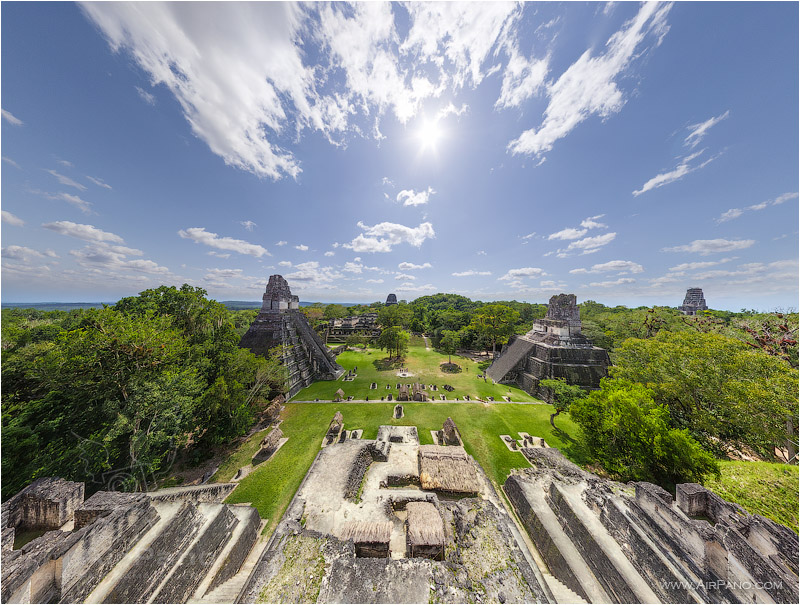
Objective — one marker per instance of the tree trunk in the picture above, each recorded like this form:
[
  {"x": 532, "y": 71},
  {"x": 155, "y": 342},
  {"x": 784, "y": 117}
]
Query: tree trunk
[{"x": 552, "y": 418}]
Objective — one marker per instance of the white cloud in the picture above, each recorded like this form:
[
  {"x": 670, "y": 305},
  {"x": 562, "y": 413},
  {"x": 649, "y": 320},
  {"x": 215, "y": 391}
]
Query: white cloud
[
  {"x": 524, "y": 237},
  {"x": 568, "y": 233},
  {"x": 683, "y": 168},
  {"x": 591, "y": 222},
  {"x": 451, "y": 109},
  {"x": 12, "y": 219},
  {"x": 616, "y": 282},
  {"x": 11, "y": 118},
  {"x": 374, "y": 281},
  {"x": 409, "y": 197},
  {"x": 514, "y": 274},
  {"x": 20, "y": 253},
  {"x": 88, "y": 233},
  {"x": 112, "y": 258},
  {"x": 330, "y": 253},
  {"x": 412, "y": 287},
  {"x": 705, "y": 247},
  {"x": 733, "y": 213},
  {"x": 75, "y": 200},
  {"x": 248, "y": 225},
  {"x": 384, "y": 236},
  {"x": 613, "y": 266},
  {"x": 146, "y": 96},
  {"x": 281, "y": 243},
  {"x": 699, "y": 265},
  {"x": 312, "y": 275},
  {"x": 201, "y": 236},
  {"x": 590, "y": 245},
  {"x": 222, "y": 274},
  {"x": 65, "y": 180},
  {"x": 12, "y": 162},
  {"x": 698, "y": 131},
  {"x": 301, "y": 247},
  {"x": 404, "y": 266},
  {"x": 218, "y": 254},
  {"x": 588, "y": 86},
  {"x": 481, "y": 252},
  {"x": 285, "y": 263},
  {"x": 99, "y": 182},
  {"x": 66, "y": 163},
  {"x": 387, "y": 181},
  {"x": 405, "y": 276},
  {"x": 523, "y": 77},
  {"x": 353, "y": 267},
  {"x": 470, "y": 272}
]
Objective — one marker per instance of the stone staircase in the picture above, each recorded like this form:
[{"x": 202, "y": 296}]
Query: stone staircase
[
  {"x": 512, "y": 354},
  {"x": 194, "y": 549},
  {"x": 561, "y": 593}
]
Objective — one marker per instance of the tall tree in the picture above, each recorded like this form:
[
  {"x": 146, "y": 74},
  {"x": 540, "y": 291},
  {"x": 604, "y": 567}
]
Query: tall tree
[
  {"x": 449, "y": 343},
  {"x": 564, "y": 395},
  {"x": 496, "y": 322}
]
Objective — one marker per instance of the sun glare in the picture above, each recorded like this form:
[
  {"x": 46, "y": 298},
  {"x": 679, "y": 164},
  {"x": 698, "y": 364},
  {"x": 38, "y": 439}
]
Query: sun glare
[{"x": 429, "y": 135}]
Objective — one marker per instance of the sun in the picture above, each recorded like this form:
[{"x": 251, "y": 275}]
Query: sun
[{"x": 429, "y": 135}]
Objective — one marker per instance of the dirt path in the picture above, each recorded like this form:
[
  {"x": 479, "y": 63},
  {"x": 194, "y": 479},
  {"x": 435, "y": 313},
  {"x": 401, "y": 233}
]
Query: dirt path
[{"x": 427, "y": 343}]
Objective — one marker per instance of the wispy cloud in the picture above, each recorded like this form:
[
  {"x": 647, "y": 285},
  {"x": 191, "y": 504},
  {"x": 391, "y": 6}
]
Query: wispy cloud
[
  {"x": 301, "y": 247},
  {"x": 405, "y": 276},
  {"x": 8, "y": 160},
  {"x": 515, "y": 274},
  {"x": 12, "y": 219},
  {"x": 330, "y": 253},
  {"x": 470, "y": 272},
  {"x": 409, "y": 197},
  {"x": 613, "y": 266},
  {"x": 611, "y": 283},
  {"x": 88, "y": 233},
  {"x": 697, "y": 132},
  {"x": 570, "y": 233},
  {"x": 99, "y": 182},
  {"x": 146, "y": 96},
  {"x": 733, "y": 213},
  {"x": 588, "y": 245},
  {"x": 201, "y": 236},
  {"x": 705, "y": 247},
  {"x": 588, "y": 87},
  {"x": 281, "y": 243},
  {"x": 683, "y": 168},
  {"x": 384, "y": 236},
  {"x": 65, "y": 180},
  {"x": 25, "y": 254},
  {"x": 11, "y": 118},
  {"x": 78, "y": 202}
]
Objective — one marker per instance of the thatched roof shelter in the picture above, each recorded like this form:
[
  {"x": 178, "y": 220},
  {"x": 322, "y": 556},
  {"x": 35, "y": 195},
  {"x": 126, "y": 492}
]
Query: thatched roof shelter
[
  {"x": 367, "y": 532},
  {"x": 425, "y": 526},
  {"x": 447, "y": 468}
]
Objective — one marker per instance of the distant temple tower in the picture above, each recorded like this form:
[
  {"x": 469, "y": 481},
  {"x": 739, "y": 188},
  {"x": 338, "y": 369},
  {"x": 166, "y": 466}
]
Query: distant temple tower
[
  {"x": 281, "y": 323},
  {"x": 391, "y": 300},
  {"x": 693, "y": 302},
  {"x": 553, "y": 348}
]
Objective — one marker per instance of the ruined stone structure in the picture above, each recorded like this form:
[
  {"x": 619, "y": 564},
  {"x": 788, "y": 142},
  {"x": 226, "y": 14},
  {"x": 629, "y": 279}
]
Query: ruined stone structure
[
  {"x": 365, "y": 326},
  {"x": 693, "y": 302},
  {"x": 553, "y": 348},
  {"x": 164, "y": 547},
  {"x": 391, "y": 300},
  {"x": 269, "y": 445},
  {"x": 614, "y": 543},
  {"x": 280, "y": 323}
]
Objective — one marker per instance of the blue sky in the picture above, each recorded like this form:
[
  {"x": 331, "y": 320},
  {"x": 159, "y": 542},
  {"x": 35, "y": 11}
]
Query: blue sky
[{"x": 619, "y": 151}]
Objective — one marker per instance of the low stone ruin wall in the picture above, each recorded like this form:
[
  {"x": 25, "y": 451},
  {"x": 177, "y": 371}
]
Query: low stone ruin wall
[
  {"x": 210, "y": 492},
  {"x": 357, "y": 471}
]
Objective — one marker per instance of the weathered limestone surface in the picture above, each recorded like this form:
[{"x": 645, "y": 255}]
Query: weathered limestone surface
[
  {"x": 269, "y": 444},
  {"x": 47, "y": 503},
  {"x": 635, "y": 544},
  {"x": 280, "y": 323},
  {"x": 209, "y": 492},
  {"x": 693, "y": 302},
  {"x": 553, "y": 348}
]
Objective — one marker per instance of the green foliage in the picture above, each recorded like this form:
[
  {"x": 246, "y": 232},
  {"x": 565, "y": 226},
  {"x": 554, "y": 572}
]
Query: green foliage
[
  {"x": 334, "y": 312},
  {"x": 393, "y": 340},
  {"x": 399, "y": 315},
  {"x": 564, "y": 395},
  {"x": 449, "y": 343},
  {"x": 495, "y": 322},
  {"x": 629, "y": 434},
  {"x": 109, "y": 395},
  {"x": 717, "y": 387}
]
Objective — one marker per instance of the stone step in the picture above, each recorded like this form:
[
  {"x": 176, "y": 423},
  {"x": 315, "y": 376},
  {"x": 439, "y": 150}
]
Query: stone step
[
  {"x": 228, "y": 591},
  {"x": 232, "y": 558},
  {"x": 562, "y": 593},
  {"x": 600, "y": 549},
  {"x": 145, "y": 573},
  {"x": 166, "y": 512},
  {"x": 569, "y": 567},
  {"x": 200, "y": 555}
]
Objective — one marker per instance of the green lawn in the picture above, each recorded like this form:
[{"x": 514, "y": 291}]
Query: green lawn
[
  {"x": 373, "y": 366},
  {"x": 271, "y": 486},
  {"x": 761, "y": 488},
  {"x": 241, "y": 457}
]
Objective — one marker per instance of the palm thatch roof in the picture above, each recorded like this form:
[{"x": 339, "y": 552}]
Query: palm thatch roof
[
  {"x": 367, "y": 532},
  {"x": 447, "y": 468},
  {"x": 425, "y": 526}
]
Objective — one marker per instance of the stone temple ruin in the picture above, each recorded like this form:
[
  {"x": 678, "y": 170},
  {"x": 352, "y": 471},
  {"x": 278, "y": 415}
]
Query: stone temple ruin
[
  {"x": 693, "y": 302},
  {"x": 553, "y": 348},
  {"x": 168, "y": 546},
  {"x": 365, "y": 326},
  {"x": 280, "y": 323}
]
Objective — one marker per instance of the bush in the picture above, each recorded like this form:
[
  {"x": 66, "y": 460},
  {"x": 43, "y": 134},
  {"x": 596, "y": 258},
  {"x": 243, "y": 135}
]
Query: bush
[{"x": 630, "y": 436}]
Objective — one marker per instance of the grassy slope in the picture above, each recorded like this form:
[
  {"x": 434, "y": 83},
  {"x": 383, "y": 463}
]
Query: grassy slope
[
  {"x": 761, "y": 488},
  {"x": 424, "y": 364},
  {"x": 271, "y": 486}
]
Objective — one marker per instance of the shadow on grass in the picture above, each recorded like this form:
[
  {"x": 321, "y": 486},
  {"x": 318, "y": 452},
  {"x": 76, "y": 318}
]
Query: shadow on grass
[
  {"x": 450, "y": 368},
  {"x": 574, "y": 449},
  {"x": 388, "y": 363}
]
